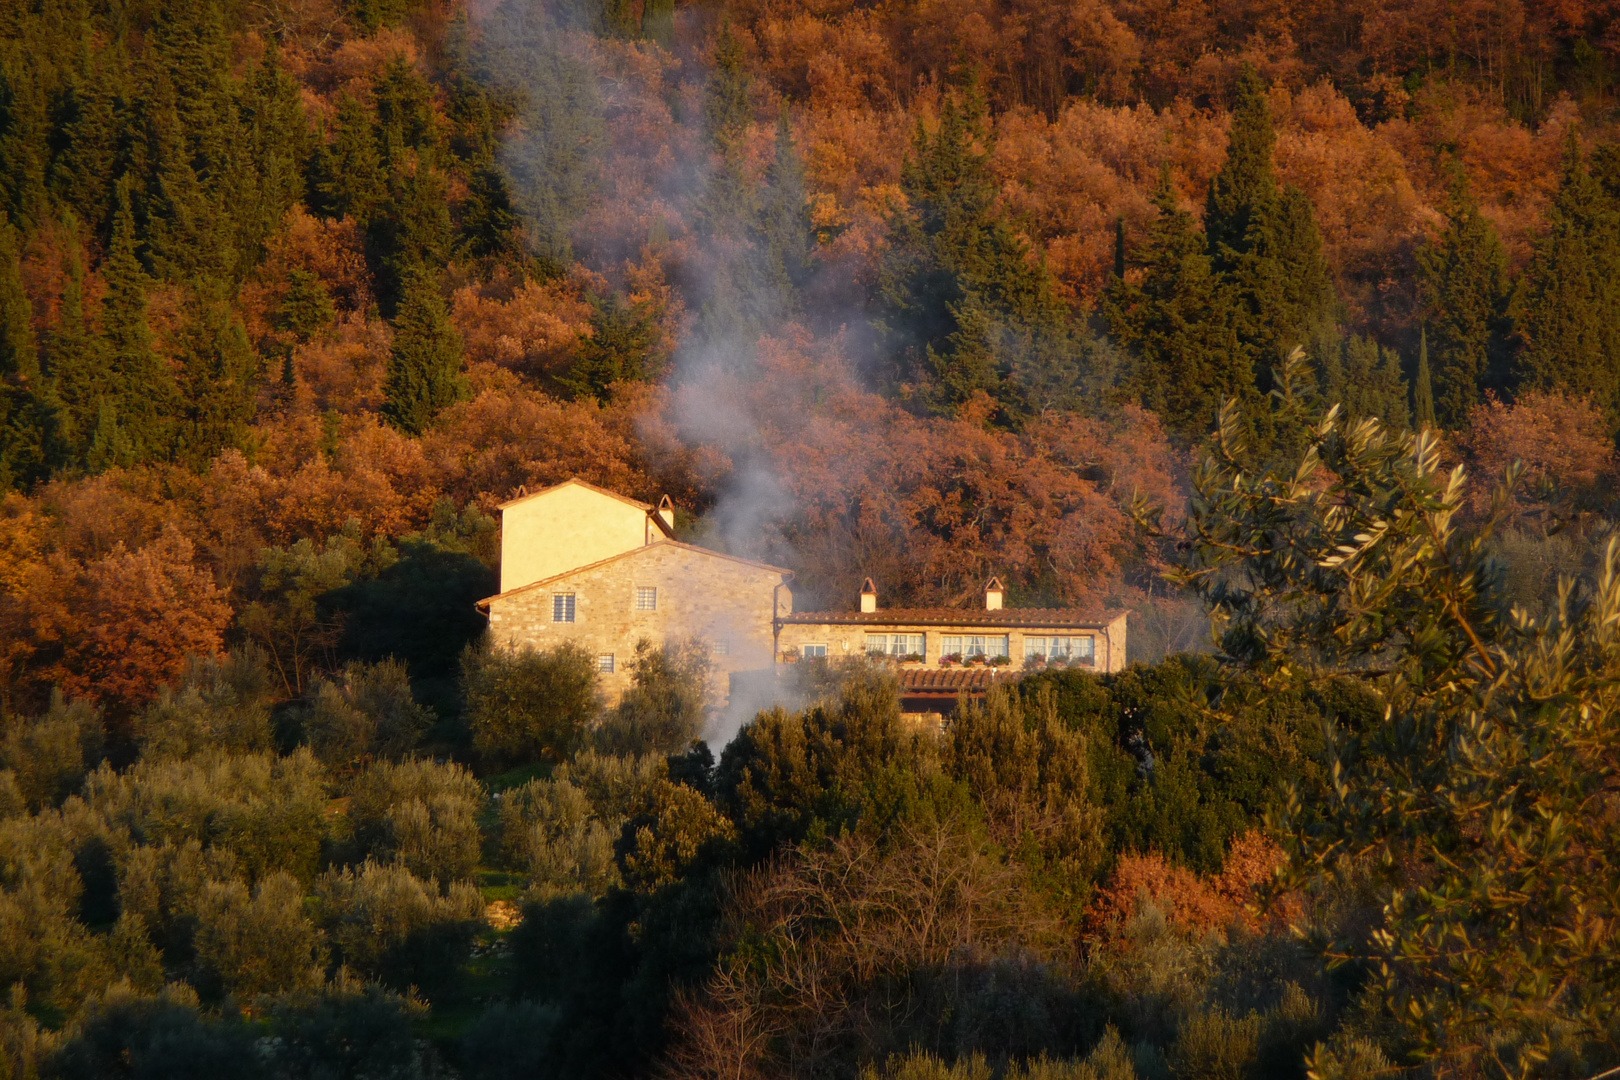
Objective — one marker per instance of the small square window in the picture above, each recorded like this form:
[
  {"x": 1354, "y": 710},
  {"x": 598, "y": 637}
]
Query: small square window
[
  {"x": 604, "y": 663},
  {"x": 646, "y": 598},
  {"x": 720, "y": 647},
  {"x": 562, "y": 607},
  {"x": 812, "y": 651}
]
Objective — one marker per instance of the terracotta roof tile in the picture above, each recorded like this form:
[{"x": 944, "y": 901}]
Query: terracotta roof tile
[
  {"x": 951, "y": 680},
  {"x": 1014, "y": 617}
]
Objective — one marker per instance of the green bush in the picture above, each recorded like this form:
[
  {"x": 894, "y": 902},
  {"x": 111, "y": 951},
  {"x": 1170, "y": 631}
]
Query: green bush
[
  {"x": 529, "y": 706},
  {"x": 48, "y": 756},
  {"x": 256, "y": 943},
  {"x": 510, "y": 1041},
  {"x": 421, "y": 815},
  {"x": 346, "y": 1031},
  {"x": 162, "y": 1037},
  {"x": 663, "y": 710},
  {"x": 368, "y": 715},
  {"x": 268, "y": 812},
  {"x": 219, "y": 705},
  {"x": 384, "y": 923},
  {"x": 561, "y": 830}
]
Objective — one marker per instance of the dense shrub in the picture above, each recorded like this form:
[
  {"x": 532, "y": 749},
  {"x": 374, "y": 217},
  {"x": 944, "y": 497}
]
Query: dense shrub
[
  {"x": 368, "y": 714},
  {"x": 220, "y": 704},
  {"x": 529, "y": 706},
  {"x": 663, "y": 709},
  {"x": 421, "y": 815},
  {"x": 384, "y": 923},
  {"x": 268, "y": 812},
  {"x": 49, "y": 756},
  {"x": 256, "y": 942},
  {"x": 561, "y": 830}
]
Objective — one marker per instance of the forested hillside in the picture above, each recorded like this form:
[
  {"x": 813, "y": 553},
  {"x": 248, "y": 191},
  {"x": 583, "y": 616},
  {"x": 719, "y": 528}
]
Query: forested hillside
[{"x": 1191, "y": 308}]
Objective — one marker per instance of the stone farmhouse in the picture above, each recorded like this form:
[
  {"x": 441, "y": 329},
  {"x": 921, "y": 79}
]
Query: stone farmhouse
[{"x": 583, "y": 564}]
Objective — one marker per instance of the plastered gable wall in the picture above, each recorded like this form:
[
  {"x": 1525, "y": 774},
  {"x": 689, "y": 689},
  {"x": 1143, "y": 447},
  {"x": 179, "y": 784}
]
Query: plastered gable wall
[
  {"x": 700, "y": 595},
  {"x": 844, "y": 639},
  {"x": 565, "y": 527}
]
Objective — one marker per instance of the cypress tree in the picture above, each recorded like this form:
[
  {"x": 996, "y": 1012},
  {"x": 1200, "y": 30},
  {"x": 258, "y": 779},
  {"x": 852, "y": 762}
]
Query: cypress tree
[
  {"x": 78, "y": 379},
  {"x": 1246, "y": 186},
  {"x": 1465, "y": 293},
  {"x": 219, "y": 378},
  {"x": 953, "y": 254},
  {"x": 1367, "y": 381},
  {"x": 784, "y": 222},
  {"x": 1181, "y": 322},
  {"x": 424, "y": 365},
  {"x": 1263, "y": 237},
  {"x": 1571, "y": 308},
  {"x": 1422, "y": 386},
  {"x": 24, "y": 414},
  {"x": 140, "y": 400},
  {"x": 349, "y": 179}
]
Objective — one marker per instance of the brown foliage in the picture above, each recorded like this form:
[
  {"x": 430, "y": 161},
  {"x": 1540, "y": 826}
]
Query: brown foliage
[
  {"x": 850, "y": 931},
  {"x": 1564, "y": 443},
  {"x": 122, "y": 625},
  {"x": 1193, "y": 904},
  {"x": 532, "y": 327}
]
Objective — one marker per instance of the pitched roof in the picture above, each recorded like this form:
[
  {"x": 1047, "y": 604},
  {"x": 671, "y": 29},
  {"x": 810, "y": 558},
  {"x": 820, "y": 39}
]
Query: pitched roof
[
  {"x": 1013, "y": 617},
  {"x": 576, "y": 482},
  {"x": 483, "y": 605}
]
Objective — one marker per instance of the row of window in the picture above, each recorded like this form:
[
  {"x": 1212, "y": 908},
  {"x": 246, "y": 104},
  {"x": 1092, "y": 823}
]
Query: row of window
[
  {"x": 564, "y": 609},
  {"x": 914, "y": 646},
  {"x": 606, "y": 664}
]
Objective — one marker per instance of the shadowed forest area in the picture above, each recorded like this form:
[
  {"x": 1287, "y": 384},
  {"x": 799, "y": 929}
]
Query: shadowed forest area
[{"x": 1294, "y": 328}]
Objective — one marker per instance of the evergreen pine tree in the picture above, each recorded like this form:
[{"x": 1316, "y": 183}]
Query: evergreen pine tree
[
  {"x": 552, "y": 156},
  {"x": 24, "y": 150},
  {"x": 424, "y": 365},
  {"x": 140, "y": 402},
  {"x": 219, "y": 381},
  {"x": 1423, "y": 386},
  {"x": 24, "y": 413},
  {"x": 1263, "y": 238},
  {"x": 1246, "y": 185},
  {"x": 623, "y": 347},
  {"x": 1465, "y": 292},
  {"x": 1181, "y": 323},
  {"x": 785, "y": 237},
  {"x": 952, "y": 255},
  {"x": 277, "y": 144},
  {"x": 348, "y": 175},
  {"x": 1366, "y": 380},
  {"x": 1571, "y": 308},
  {"x": 727, "y": 106},
  {"x": 77, "y": 376}
]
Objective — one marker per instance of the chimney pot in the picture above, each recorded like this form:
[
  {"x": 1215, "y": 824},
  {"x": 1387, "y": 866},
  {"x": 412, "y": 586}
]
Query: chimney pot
[
  {"x": 868, "y": 596},
  {"x": 992, "y": 595}
]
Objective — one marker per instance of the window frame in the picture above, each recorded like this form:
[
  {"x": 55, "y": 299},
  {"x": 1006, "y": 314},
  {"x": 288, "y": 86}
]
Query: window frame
[
  {"x": 565, "y": 604},
  {"x": 649, "y": 593},
  {"x": 804, "y": 650},
  {"x": 606, "y": 664}
]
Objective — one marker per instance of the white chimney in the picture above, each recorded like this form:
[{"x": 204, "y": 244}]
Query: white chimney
[
  {"x": 666, "y": 512},
  {"x": 992, "y": 595},
  {"x": 868, "y": 595}
]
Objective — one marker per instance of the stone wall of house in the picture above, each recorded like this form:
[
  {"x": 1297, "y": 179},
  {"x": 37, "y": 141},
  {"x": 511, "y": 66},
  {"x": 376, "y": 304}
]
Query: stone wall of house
[
  {"x": 723, "y": 602},
  {"x": 844, "y": 639}
]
